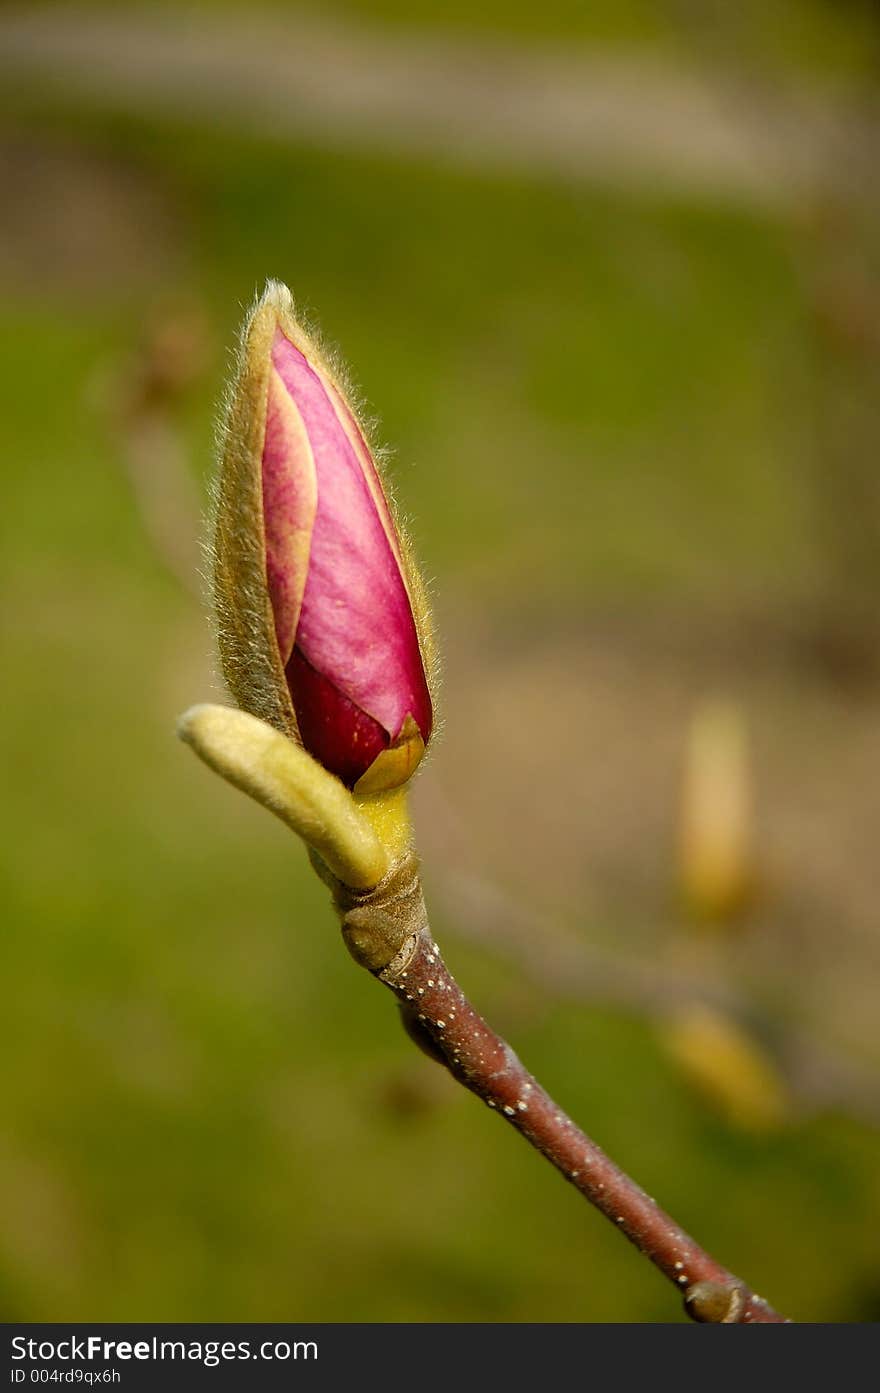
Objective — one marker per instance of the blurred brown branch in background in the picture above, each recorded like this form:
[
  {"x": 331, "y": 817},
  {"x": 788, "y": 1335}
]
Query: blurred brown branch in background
[
  {"x": 143, "y": 400},
  {"x": 618, "y": 117}
]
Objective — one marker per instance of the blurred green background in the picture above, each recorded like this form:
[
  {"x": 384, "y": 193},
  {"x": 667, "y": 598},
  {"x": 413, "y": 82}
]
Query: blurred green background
[{"x": 609, "y": 275}]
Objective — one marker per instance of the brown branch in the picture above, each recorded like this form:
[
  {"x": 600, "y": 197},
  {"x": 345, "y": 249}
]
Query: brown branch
[
  {"x": 819, "y": 1073},
  {"x": 437, "y": 1013},
  {"x": 385, "y": 929}
]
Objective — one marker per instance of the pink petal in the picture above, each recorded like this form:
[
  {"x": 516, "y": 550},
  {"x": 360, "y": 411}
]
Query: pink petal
[
  {"x": 356, "y": 626},
  {"x": 340, "y": 736}
]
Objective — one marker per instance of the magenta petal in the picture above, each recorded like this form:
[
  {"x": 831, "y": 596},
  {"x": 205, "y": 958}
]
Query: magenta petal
[
  {"x": 341, "y": 736},
  {"x": 356, "y": 625}
]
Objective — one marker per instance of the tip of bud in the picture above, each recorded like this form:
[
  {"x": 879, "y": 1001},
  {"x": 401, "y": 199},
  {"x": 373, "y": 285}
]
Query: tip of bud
[
  {"x": 275, "y": 309},
  {"x": 272, "y": 307},
  {"x": 276, "y": 295}
]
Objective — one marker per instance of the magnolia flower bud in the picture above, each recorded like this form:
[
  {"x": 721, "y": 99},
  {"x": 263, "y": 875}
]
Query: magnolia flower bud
[{"x": 323, "y": 627}]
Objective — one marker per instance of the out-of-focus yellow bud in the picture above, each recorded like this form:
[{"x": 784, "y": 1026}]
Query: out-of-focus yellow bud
[
  {"x": 728, "y": 1068},
  {"x": 716, "y": 871}
]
